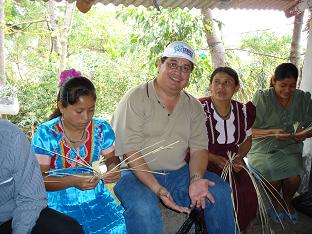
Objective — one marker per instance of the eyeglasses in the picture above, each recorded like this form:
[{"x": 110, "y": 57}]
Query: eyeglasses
[{"x": 184, "y": 68}]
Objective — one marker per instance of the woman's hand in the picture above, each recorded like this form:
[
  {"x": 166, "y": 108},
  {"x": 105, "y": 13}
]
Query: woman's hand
[
  {"x": 113, "y": 172},
  {"x": 112, "y": 175},
  {"x": 84, "y": 181},
  {"x": 280, "y": 134},
  {"x": 299, "y": 137},
  {"x": 238, "y": 164},
  {"x": 219, "y": 161}
]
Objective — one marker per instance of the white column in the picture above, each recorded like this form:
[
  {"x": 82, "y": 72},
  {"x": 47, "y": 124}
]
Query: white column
[{"x": 306, "y": 85}]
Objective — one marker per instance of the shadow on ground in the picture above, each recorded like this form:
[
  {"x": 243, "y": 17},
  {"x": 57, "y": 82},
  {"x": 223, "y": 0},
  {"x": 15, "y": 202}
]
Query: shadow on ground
[
  {"x": 304, "y": 226},
  {"x": 173, "y": 222}
]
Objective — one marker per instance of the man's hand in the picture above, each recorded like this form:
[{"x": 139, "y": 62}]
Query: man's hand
[
  {"x": 198, "y": 192},
  {"x": 166, "y": 198}
]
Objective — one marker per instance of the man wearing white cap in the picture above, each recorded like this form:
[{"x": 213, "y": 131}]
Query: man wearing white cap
[{"x": 159, "y": 113}]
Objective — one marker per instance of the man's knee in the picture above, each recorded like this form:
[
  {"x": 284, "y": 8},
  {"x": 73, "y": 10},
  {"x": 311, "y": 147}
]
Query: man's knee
[
  {"x": 143, "y": 219},
  {"x": 143, "y": 203},
  {"x": 133, "y": 193},
  {"x": 142, "y": 212},
  {"x": 129, "y": 186}
]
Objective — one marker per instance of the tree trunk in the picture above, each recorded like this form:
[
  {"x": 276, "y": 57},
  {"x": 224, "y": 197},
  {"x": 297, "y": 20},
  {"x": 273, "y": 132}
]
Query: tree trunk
[
  {"x": 2, "y": 74},
  {"x": 215, "y": 44},
  {"x": 295, "y": 54},
  {"x": 52, "y": 24},
  {"x": 64, "y": 34}
]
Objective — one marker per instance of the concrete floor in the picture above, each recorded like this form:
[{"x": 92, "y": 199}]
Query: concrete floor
[
  {"x": 173, "y": 221},
  {"x": 304, "y": 226}
]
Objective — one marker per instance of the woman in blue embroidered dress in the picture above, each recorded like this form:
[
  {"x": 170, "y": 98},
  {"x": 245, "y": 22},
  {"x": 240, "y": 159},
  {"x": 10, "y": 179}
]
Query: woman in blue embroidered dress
[{"x": 74, "y": 132}]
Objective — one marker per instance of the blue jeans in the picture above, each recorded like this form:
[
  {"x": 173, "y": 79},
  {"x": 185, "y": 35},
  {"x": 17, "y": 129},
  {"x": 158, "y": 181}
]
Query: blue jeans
[{"x": 142, "y": 211}]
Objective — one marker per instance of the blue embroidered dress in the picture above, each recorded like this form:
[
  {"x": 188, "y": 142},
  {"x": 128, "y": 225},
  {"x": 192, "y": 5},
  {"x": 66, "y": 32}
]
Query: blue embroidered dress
[{"x": 96, "y": 210}]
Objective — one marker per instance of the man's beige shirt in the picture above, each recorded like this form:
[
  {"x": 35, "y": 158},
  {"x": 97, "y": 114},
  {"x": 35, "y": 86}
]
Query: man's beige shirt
[{"x": 141, "y": 120}]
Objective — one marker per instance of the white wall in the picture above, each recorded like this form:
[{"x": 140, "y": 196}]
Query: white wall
[{"x": 306, "y": 85}]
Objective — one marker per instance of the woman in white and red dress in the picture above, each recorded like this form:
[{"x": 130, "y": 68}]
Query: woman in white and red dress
[{"x": 229, "y": 130}]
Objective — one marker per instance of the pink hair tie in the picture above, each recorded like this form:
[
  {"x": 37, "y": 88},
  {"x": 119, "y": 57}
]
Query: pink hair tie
[{"x": 66, "y": 74}]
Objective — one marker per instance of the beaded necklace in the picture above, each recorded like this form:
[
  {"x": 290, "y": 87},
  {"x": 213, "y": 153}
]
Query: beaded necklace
[
  {"x": 225, "y": 117},
  {"x": 72, "y": 140}
]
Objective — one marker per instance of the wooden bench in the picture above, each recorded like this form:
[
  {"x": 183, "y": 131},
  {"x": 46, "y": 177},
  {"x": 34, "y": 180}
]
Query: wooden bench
[{"x": 172, "y": 220}]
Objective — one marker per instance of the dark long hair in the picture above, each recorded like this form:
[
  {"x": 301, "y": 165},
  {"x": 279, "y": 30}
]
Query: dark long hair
[
  {"x": 71, "y": 91},
  {"x": 230, "y": 71},
  {"x": 285, "y": 71}
]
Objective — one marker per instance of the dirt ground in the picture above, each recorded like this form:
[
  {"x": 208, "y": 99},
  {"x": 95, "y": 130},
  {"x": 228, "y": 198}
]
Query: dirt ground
[{"x": 304, "y": 226}]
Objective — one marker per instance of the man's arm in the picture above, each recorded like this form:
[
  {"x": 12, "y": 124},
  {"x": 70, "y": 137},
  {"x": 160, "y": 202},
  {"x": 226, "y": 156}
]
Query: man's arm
[
  {"x": 143, "y": 173},
  {"x": 198, "y": 164},
  {"x": 199, "y": 155},
  {"x": 30, "y": 195},
  {"x": 140, "y": 169},
  {"x": 199, "y": 187},
  {"x": 128, "y": 123}
]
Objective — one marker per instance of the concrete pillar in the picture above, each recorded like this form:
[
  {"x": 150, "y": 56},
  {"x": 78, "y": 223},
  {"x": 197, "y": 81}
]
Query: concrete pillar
[{"x": 306, "y": 85}]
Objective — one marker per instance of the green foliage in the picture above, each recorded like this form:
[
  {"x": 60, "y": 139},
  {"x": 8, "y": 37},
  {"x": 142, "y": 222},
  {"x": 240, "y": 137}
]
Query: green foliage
[
  {"x": 27, "y": 40},
  {"x": 105, "y": 57},
  {"x": 117, "y": 50},
  {"x": 30, "y": 66},
  {"x": 36, "y": 104},
  {"x": 152, "y": 31},
  {"x": 7, "y": 91},
  {"x": 263, "y": 52},
  {"x": 101, "y": 33}
]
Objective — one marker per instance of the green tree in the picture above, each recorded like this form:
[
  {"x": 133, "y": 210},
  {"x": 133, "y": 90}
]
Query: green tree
[
  {"x": 263, "y": 51},
  {"x": 30, "y": 66},
  {"x": 117, "y": 49},
  {"x": 153, "y": 30}
]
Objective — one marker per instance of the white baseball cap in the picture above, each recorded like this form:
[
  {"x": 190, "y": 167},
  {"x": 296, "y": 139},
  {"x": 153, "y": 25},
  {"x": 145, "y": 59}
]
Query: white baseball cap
[{"x": 179, "y": 49}]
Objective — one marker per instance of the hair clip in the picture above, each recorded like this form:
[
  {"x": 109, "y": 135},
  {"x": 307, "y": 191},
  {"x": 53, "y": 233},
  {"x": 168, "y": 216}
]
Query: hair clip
[{"x": 66, "y": 74}]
